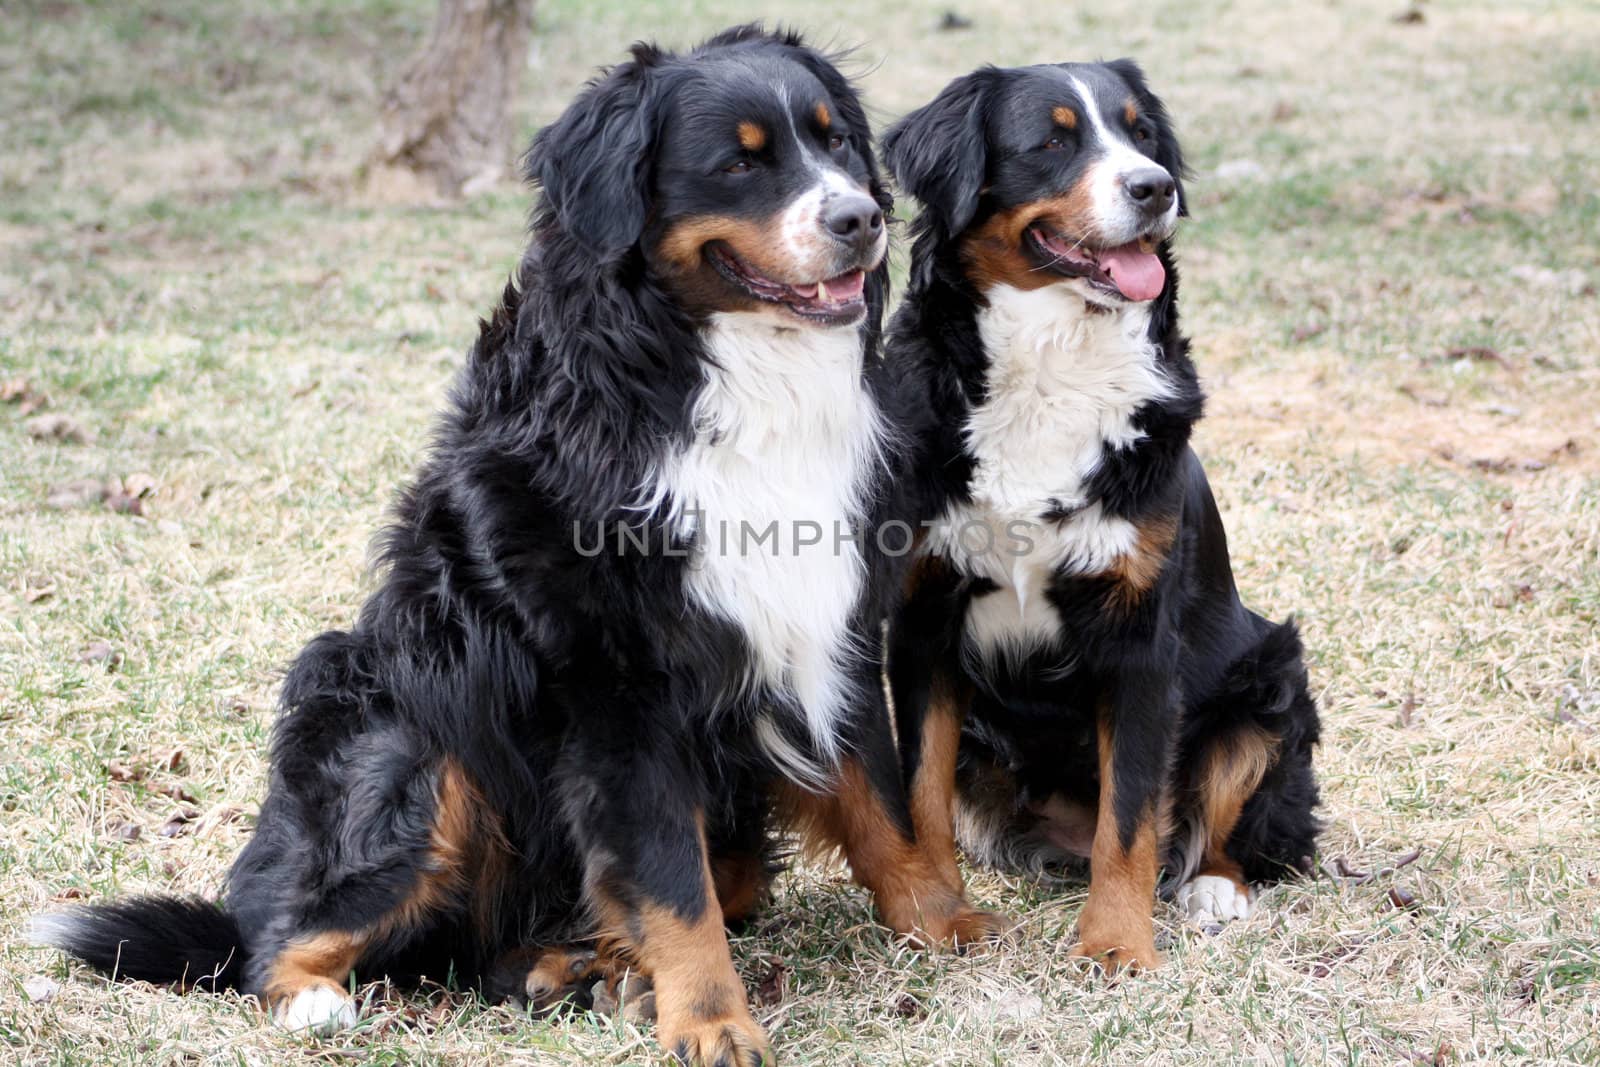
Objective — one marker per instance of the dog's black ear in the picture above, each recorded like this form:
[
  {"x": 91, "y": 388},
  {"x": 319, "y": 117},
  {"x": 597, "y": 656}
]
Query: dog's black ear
[
  {"x": 939, "y": 153},
  {"x": 1168, "y": 152},
  {"x": 594, "y": 161}
]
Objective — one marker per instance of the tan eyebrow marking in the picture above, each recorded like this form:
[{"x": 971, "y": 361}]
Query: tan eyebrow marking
[
  {"x": 1130, "y": 111},
  {"x": 1065, "y": 116},
  {"x": 751, "y": 136},
  {"x": 824, "y": 116}
]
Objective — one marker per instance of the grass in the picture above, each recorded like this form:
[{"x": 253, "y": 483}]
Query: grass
[{"x": 1390, "y": 275}]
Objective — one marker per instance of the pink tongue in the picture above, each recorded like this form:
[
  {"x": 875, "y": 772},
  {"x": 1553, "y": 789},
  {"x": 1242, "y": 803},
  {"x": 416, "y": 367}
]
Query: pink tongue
[
  {"x": 847, "y": 286},
  {"x": 1137, "y": 275}
]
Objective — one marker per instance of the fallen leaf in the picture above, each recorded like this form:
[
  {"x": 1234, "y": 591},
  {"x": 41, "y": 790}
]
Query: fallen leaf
[
  {"x": 1401, "y": 898},
  {"x": 907, "y": 1006},
  {"x": 774, "y": 985},
  {"x": 1411, "y": 16},
  {"x": 1477, "y": 353},
  {"x": 1571, "y": 282},
  {"x": 40, "y": 989},
  {"x": 178, "y": 793},
  {"x": 1323, "y": 965},
  {"x": 58, "y": 428},
  {"x": 1308, "y": 331},
  {"x": 100, "y": 652},
  {"x": 128, "y": 831},
  {"x": 76, "y": 493},
  {"x": 125, "y": 504},
  {"x": 20, "y": 391},
  {"x": 121, "y": 772},
  {"x": 138, "y": 484},
  {"x": 70, "y": 893},
  {"x": 954, "y": 20},
  {"x": 221, "y": 815},
  {"x": 1425, "y": 398},
  {"x": 176, "y": 822}
]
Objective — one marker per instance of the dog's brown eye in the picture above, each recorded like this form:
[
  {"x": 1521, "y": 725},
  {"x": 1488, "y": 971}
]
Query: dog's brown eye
[
  {"x": 835, "y": 143},
  {"x": 1141, "y": 135},
  {"x": 1055, "y": 143},
  {"x": 741, "y": 167}
]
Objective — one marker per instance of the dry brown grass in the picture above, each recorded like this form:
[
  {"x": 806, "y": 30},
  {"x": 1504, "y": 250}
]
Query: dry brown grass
[{"x": 188, "y": 272}]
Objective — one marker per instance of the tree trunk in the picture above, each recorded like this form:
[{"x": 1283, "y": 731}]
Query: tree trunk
[{"x": 448, "y": 117}]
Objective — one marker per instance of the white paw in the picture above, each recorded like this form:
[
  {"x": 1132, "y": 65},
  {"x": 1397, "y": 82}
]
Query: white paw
[
  {"x": 318, "y": 1009},
  {"x": 1211, "y": 899}
]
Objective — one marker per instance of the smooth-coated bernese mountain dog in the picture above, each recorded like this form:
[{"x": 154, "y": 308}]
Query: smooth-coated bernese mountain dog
[
  {"x": 1073, "y": 654},
  {"x": 631, "y": 613}
]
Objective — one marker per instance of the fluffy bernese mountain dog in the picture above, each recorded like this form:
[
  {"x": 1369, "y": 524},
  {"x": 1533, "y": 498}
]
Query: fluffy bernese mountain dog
[
  {"x": 1073, "y": 654},
  {"x": 629, "y": 609}
]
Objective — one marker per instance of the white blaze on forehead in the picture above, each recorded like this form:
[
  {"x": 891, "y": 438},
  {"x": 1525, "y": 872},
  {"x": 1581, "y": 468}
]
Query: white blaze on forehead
[
  {"x": 800, "y": 227},
  {"x": 1114, "y": 214}
]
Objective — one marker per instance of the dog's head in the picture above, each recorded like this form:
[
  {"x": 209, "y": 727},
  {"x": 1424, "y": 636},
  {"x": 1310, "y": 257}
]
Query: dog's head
[
  {"x": 1059, "y": 174},
  {"x": 740, "y": 173}
]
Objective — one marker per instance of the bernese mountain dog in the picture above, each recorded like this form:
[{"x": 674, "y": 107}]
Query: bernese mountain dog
[
  {"x": 1073, "y": 658},
  {"x": 631, "y": 614}
]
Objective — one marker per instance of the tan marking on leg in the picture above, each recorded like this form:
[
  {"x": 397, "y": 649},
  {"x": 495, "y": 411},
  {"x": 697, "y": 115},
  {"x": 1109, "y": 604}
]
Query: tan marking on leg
[
  {"x": 1116, "y": 927},
  {"x": 1230, "y": 778},
  {"x": 701, "y": 1013},
  {"x": 466, "y": 850},
  {"x": 933, "y": 786},
  {"x": 323, "y": 959},
  {"x": 914, "y": 898}
]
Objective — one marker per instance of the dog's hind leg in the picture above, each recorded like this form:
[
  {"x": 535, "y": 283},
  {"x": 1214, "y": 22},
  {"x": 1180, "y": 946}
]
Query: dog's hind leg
[
  {"x": 1248, "y": 789},
  {"x": 1230, "y": 772},
  {"x": 430, "y": 859}
]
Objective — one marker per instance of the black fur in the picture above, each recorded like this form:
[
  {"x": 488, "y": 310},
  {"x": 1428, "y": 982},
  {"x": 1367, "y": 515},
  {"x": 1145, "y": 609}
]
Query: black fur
[
  {"x": 1186, "y": 668},
  {"x": 599, "y": 713}
]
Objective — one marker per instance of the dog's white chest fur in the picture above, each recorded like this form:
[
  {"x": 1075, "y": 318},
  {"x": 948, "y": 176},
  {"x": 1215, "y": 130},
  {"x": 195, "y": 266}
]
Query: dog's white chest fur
[
  {"x": 785, "y": 441},
  {"x": 1064, "y": 383}
]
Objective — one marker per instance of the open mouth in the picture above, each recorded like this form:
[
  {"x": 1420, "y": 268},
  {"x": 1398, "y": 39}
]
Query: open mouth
[
  {"x": 832, "y": 301},
  {"x": 1132, "y": 271}
]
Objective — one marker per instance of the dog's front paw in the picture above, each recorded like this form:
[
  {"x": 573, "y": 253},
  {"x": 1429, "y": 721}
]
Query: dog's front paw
[
  {"x": 732, "y": 1040},
  {"x": 969, "y": 928},
  {"x": 1212, "y": 899},
  {"x": 1119, "y": 958},
  {"x": 319, "y": 1009}
]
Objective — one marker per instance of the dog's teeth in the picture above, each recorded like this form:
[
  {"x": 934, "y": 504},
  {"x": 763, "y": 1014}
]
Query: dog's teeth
[{"x": 822, "y": 292}]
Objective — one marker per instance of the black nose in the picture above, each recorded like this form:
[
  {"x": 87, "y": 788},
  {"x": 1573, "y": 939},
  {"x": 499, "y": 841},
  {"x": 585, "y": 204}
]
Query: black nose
[
  {"x": 1151, "y": 190},
  {"x": 855, "y": 219}
]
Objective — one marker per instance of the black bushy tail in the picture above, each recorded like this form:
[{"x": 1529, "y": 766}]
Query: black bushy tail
[{"x": 187, "y": 941}]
